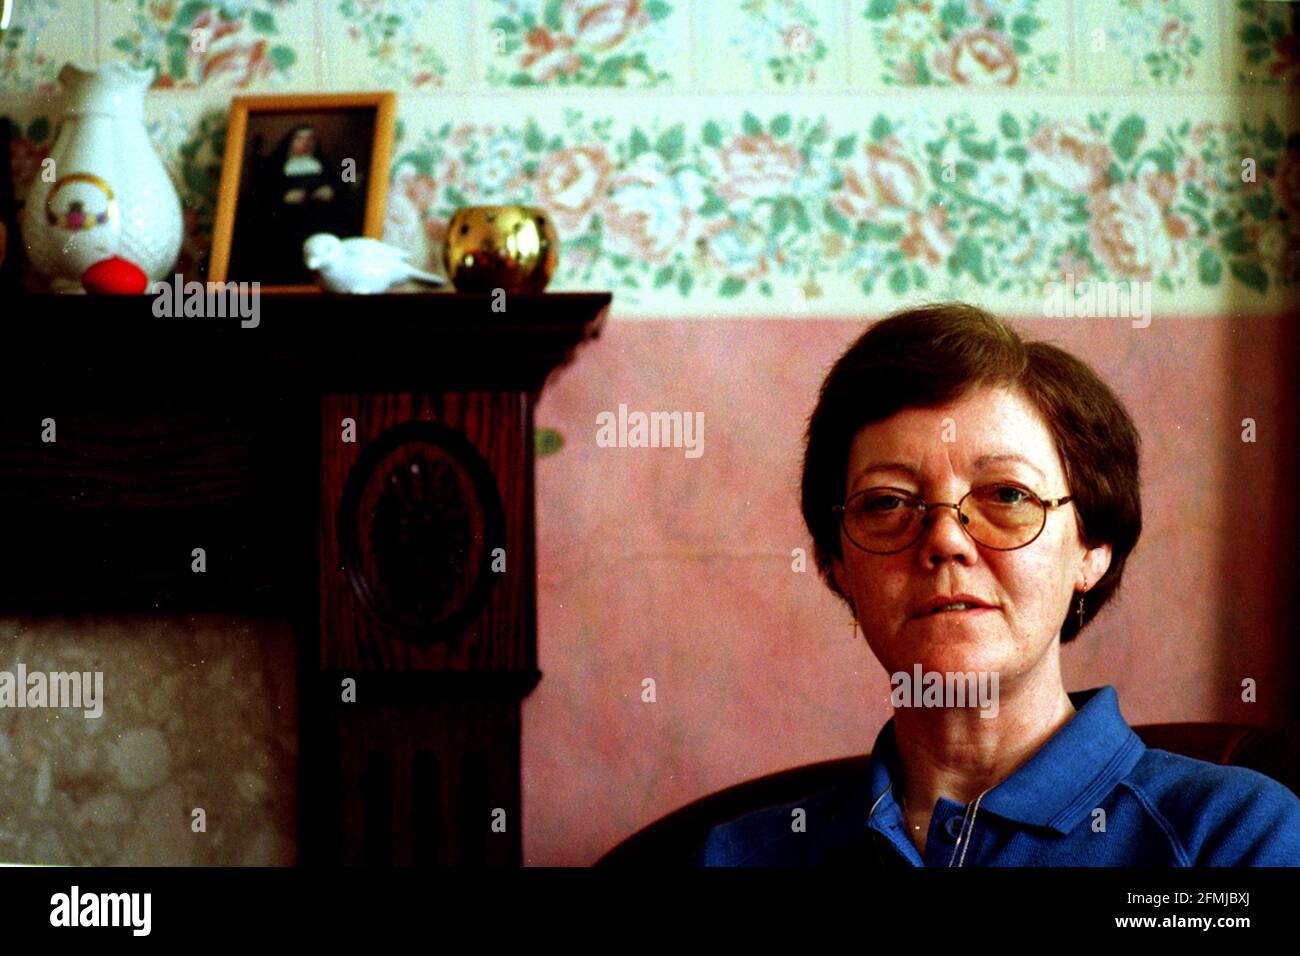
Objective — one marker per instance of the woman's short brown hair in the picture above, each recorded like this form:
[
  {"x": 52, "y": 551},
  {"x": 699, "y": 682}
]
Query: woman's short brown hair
[{"x": 932, "y": 355}]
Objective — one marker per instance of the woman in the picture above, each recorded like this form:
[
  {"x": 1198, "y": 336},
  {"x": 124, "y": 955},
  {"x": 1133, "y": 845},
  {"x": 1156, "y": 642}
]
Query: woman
[
  {"x": 973, "y": 499},
  {"x": 300, "y": 167},
  {"x": 296, "y": 193}
]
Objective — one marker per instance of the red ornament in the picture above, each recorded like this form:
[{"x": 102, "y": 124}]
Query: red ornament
[{"x": 115, "y": 276}]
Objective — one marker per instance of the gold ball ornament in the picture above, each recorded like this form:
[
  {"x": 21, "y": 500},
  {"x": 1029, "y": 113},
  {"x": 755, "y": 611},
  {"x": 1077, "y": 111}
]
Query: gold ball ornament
[{"x": 500, "y": 247}]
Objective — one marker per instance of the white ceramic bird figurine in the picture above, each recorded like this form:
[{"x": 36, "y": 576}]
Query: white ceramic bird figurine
[{"x": 360, "y": 265}]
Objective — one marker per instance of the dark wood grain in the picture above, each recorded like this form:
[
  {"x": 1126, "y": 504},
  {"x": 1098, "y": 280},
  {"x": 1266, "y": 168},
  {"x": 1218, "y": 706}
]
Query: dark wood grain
[
  {"x": 475, "y": 746},
  {"x": 183, "y": 433},
  {"x": 114, "y": 345},
  {"x": 106, "y": 517},
  {"x": 499, "y": 425}
]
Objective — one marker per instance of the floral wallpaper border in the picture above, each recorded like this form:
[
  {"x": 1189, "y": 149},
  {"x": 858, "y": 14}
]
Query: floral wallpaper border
[
  {"x": 776, "y": 208},
  {"x": 682, "y": 202}
]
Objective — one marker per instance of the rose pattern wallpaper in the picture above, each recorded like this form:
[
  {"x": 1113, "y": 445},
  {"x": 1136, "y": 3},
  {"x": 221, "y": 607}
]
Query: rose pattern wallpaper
[
  {"x": 806, "y": 205},
  {"x": 943, "y": 204},
  {"x": 234, "y": 43}
]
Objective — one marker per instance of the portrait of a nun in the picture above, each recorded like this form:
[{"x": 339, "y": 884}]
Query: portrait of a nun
[{"x": 296, "y": 190}]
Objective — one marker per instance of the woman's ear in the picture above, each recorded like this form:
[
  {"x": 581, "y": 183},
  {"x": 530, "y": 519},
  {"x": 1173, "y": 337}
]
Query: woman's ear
[{"x": 1096, "y": 562}]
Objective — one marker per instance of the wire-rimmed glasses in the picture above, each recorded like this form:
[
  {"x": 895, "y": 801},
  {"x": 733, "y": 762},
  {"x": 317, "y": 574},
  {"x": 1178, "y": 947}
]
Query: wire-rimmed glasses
[{"x": 1003, "y": 516}]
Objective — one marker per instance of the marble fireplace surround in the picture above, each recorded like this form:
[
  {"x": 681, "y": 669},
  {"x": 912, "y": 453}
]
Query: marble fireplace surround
[{"x": 200, "y": 712}]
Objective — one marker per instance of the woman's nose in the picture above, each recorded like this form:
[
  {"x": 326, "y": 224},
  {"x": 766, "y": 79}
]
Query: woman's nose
[{"x": 945, "y": 534}]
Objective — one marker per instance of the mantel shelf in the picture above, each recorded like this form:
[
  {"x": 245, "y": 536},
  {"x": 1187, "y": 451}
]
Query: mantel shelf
[{"x": 309, "y": 341}]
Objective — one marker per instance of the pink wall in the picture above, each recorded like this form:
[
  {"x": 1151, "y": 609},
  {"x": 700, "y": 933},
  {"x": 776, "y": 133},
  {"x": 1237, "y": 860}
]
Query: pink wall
[{"x": 656, "y": 565}]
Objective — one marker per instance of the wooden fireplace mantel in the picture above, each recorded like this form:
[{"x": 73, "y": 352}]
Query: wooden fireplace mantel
[
  {"x": 173, "y": 433},
  {"x": 171, "y": 429},
  {"x": 413, "y": 341}
]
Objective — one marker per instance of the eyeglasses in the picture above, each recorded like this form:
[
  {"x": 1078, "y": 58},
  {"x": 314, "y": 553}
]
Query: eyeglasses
[{"x": 1002, "y": 516}]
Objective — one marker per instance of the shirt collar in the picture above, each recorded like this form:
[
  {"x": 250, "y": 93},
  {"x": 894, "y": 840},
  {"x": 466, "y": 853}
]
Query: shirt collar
[{"x": 1060, "y": 784}]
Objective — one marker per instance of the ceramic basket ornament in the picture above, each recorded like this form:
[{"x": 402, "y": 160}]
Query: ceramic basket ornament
[{"x": 107, "y": 195}]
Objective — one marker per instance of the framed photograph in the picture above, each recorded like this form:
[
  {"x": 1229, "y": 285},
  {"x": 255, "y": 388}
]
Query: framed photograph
[{"x": 297, "y": 165}]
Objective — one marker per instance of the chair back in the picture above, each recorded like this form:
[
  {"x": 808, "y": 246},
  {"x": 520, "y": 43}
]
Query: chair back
[{"x": 675, "y": 838}]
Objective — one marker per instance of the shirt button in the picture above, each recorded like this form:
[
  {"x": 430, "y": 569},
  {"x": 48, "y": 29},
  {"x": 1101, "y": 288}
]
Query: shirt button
[{"x": 952, "y": 827}]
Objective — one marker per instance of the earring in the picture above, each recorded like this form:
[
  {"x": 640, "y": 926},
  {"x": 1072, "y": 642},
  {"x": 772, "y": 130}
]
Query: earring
[{"x": 1081, "y": 609}]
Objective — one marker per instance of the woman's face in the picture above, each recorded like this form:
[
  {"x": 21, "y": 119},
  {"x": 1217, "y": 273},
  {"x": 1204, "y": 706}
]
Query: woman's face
[
  {"x": 993, "y": 434},
  {"x": 304, "y": 143}
]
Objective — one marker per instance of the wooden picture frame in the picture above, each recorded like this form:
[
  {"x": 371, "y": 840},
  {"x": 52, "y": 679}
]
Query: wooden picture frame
[{"x": 285, "y": 175}]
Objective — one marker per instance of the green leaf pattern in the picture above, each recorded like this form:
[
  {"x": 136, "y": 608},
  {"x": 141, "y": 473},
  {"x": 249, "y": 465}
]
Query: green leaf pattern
[
  {"x": 769, "y": 205},
  {"x": 226, "y": 43},
  {"x": 962, "y": 43},
  {"x": 552, "y": 43}
]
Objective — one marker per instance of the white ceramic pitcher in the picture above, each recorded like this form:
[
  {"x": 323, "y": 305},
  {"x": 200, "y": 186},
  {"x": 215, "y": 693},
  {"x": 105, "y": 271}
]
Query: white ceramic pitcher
[{"x": 107, "y": 193}]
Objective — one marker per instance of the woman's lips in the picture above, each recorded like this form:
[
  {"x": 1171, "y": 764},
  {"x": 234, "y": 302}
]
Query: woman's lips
[{"x": 966, "y": 612}]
